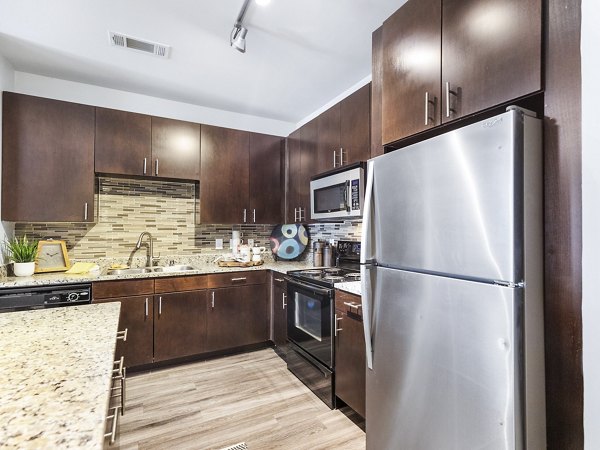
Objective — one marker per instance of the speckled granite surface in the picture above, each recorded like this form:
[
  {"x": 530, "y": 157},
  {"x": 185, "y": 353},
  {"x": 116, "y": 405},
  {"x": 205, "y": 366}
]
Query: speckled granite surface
[
  {"x": 203, "y": 264},
  {"x": 56, "y": 367},
  {"x": 352, "y": 287}
]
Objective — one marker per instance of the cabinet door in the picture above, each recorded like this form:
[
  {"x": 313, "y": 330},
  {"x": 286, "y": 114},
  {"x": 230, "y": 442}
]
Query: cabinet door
[
  {"x": 279, "y": 315},
  {"x": 237, "y": 316},
  {"x": 137, "y": 316},
  {"x": 491, "y": 53},
  {"x": 179, "y": 324},
  {"x": 302, "y": 150},
  {"x": 265, "y": 185},
  {"x": 328, "y": 140},
  {"x": 350, "y": 361},
  {"x": 411, "y": 69},
  {"x": 223, "y": 175},
  {"x": 175, "y": 149},
  {"x": 355, "y": 126},
  {"x": 47, "y": 160},
  {"x": 123, "y": 142}
]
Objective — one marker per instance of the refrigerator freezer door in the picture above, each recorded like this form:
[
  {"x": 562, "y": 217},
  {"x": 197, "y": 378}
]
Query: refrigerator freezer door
[
  {"x": 444, "y": 364},
  {"x": 452, "y": 204}
]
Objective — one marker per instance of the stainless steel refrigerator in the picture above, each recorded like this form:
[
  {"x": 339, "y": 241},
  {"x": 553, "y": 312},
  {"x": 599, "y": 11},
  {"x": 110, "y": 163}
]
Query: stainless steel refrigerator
[{"x": 453, "y": 290}]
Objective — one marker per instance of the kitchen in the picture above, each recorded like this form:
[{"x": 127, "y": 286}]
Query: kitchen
[{"x": 565, "y": 413}]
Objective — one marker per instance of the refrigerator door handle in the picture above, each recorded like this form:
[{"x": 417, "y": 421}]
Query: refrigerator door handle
[
  {"x": 365, "y": 240},
  {"x": 367, "y": 308}
]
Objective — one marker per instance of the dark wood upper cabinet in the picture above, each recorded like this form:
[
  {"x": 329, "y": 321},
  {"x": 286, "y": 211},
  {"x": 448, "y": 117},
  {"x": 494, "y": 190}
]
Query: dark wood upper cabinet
[
  {"x": 123, "y": 143},
  {"x": 47, "y": 160},
  {"x": 412, "y": 39},
  {"x": 376, "y": 91},
  {"x": 237, "y": 316},
  {"x": 179, "y": 324},
  {"x": 491, "y": 53},
  {"x": 224, "y": 175},
  {"x": 344, "y": 132},
  {"x": 302, "y": 154},
  {"x": 265, "y": 182},
  {"x": 355, "y": 126},
  {"x": 175, "y": 149},
  {"x": 447, "y": 59},
  {"x": 328, "y": 139}
]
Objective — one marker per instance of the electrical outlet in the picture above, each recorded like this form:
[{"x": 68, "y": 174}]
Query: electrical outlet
[
  {"x": 251, "y": 242},
  {"x": 218, "y": 244}
]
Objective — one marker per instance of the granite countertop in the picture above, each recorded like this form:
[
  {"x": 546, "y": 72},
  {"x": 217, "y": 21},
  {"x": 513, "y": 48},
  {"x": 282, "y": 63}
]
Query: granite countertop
[
  {"x": 56, "y": 367},
  {"x": 202, "y": 267},
  {"x": 353, "y": 287}
]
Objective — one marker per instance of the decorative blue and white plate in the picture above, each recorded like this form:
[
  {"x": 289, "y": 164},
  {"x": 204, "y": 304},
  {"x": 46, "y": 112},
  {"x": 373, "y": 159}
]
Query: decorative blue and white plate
[{"x": 288, "y": 241}]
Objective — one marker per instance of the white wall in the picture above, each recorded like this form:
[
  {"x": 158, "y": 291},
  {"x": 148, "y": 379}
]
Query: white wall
[
  {"x": 590, "y": 37},
  {"x": 27, "y": 83},
  {"x": 7, "y": 78}
]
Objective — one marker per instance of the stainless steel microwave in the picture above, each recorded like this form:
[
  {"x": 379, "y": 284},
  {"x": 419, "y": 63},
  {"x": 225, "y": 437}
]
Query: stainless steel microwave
[{"x": 339, "y": 194}]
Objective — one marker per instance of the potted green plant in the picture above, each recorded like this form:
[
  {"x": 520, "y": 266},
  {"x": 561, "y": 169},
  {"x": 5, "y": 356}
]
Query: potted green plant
[{"x": 22, "y": 253}]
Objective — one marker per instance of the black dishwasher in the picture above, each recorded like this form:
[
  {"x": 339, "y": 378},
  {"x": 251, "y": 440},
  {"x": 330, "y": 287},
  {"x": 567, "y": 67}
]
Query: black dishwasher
[{"x": 38, "y": 297}]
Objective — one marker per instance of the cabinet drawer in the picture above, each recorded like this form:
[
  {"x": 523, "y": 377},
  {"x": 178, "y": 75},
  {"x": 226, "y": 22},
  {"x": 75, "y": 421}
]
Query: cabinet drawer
[
  {"x": 279, "y": 280},
  {"x": 344, "y": 300},
  {"x": 179, "y": 284},
  {"x": 219, "y": 280},
  {"x": 122, "y": 288}
]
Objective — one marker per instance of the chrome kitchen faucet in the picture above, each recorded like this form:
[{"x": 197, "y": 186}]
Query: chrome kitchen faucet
[{"x": 150, "y": 259}]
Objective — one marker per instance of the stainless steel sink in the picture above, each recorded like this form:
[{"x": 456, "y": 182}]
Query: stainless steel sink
[
  {"x": 128, "y": 271},
  {"x": 177, "y": 268}
]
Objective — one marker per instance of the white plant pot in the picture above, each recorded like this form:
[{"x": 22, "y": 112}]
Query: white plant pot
[{"x": 24, "y": 269}]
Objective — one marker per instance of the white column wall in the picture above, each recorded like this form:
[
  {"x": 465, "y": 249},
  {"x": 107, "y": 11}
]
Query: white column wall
[{"x": 590, "y": 68}]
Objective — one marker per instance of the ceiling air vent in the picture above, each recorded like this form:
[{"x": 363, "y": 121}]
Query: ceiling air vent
[{"x": 154, "y": 48}]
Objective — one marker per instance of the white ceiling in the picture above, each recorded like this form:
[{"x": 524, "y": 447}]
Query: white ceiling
[{"x": 300, "y": 54}]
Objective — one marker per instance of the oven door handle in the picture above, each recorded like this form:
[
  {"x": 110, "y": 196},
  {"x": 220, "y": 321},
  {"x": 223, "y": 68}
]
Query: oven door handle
[{"x": 313, "y": 289}]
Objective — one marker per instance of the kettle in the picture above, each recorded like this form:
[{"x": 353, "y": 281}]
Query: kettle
[{"x": 256, "y": 254}]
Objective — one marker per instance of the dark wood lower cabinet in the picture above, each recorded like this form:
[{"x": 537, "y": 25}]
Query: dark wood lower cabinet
[
  {"x": 137, "y": 316},
  {"x": 279, "y": 314},
  {"x": 179, "y": 324},
  {"x": 350, "y": 358},
  {"x": 237, "y": 316}
]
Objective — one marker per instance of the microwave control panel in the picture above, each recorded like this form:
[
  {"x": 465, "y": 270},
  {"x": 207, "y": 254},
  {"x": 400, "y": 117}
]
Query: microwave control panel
[{"x": 355, "y": 194}]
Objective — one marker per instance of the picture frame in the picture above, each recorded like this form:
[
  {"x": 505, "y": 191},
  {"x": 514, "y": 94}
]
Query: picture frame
[{"x": 52, "y": 256}]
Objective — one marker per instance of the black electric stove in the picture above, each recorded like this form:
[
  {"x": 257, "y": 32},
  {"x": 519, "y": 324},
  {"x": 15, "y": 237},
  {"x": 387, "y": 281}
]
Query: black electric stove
[{"x": 347, "y": 267}]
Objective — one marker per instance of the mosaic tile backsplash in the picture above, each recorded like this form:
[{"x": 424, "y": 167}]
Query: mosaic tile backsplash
[{"x": 126, "y": 208}]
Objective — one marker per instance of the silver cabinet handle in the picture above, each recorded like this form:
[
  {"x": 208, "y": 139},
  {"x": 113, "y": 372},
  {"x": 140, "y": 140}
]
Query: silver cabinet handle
[
  {"x": 279, "y": 280},
  {"x": 353, "y": 305},
  {"x": 122, "y": 335},
  {"x": 283, "y": 303},
  {"x": 448, "y": 92},
  {"x": 119, "y": 370},
  {"x": 295, "y": 214},
  {"x": 301, "y": 210},
  {"x": 244, "y": 215},
  {"x": 113, "y": 433},
  {"x": 159, "y": 306},
  {"x": 146, "y": 307},
  {"x": 212, "y": 301},
  {"x": 156, "y": 166},
  {"x": 85, "y": 211},
  {"x": 426, "y": 108},
  {"x": 238, "y": 279},
  {"x": 145, "y": 165},
  {"x": 254, "y": 215},
  {"x": 335, "y": 324},
  {"x": 334, "y": 159},
  {"x": 342, "y": 156}
]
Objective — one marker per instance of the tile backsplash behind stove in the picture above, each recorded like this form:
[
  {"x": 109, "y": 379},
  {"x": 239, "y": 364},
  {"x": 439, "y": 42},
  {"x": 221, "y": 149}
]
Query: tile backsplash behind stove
[{"x": 126, "y": 207}]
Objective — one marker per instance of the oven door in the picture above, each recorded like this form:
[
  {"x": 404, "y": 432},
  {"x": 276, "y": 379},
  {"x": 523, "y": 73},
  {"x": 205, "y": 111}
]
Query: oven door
[{"x": 309, "y": 317}]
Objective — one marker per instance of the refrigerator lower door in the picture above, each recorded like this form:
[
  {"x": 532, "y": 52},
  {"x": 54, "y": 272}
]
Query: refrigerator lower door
[{"x": 445, "y": 364}]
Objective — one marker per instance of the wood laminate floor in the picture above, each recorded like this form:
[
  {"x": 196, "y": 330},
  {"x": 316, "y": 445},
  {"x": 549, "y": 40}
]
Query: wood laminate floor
[{"x": 249, "y": 398}]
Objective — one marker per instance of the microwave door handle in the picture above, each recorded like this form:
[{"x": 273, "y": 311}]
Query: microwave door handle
[{"x": 346, "y": 195}]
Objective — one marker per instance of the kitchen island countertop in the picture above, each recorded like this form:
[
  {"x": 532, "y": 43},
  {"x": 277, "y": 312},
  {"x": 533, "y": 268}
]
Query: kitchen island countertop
[{"x": 56, "y": 370}]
